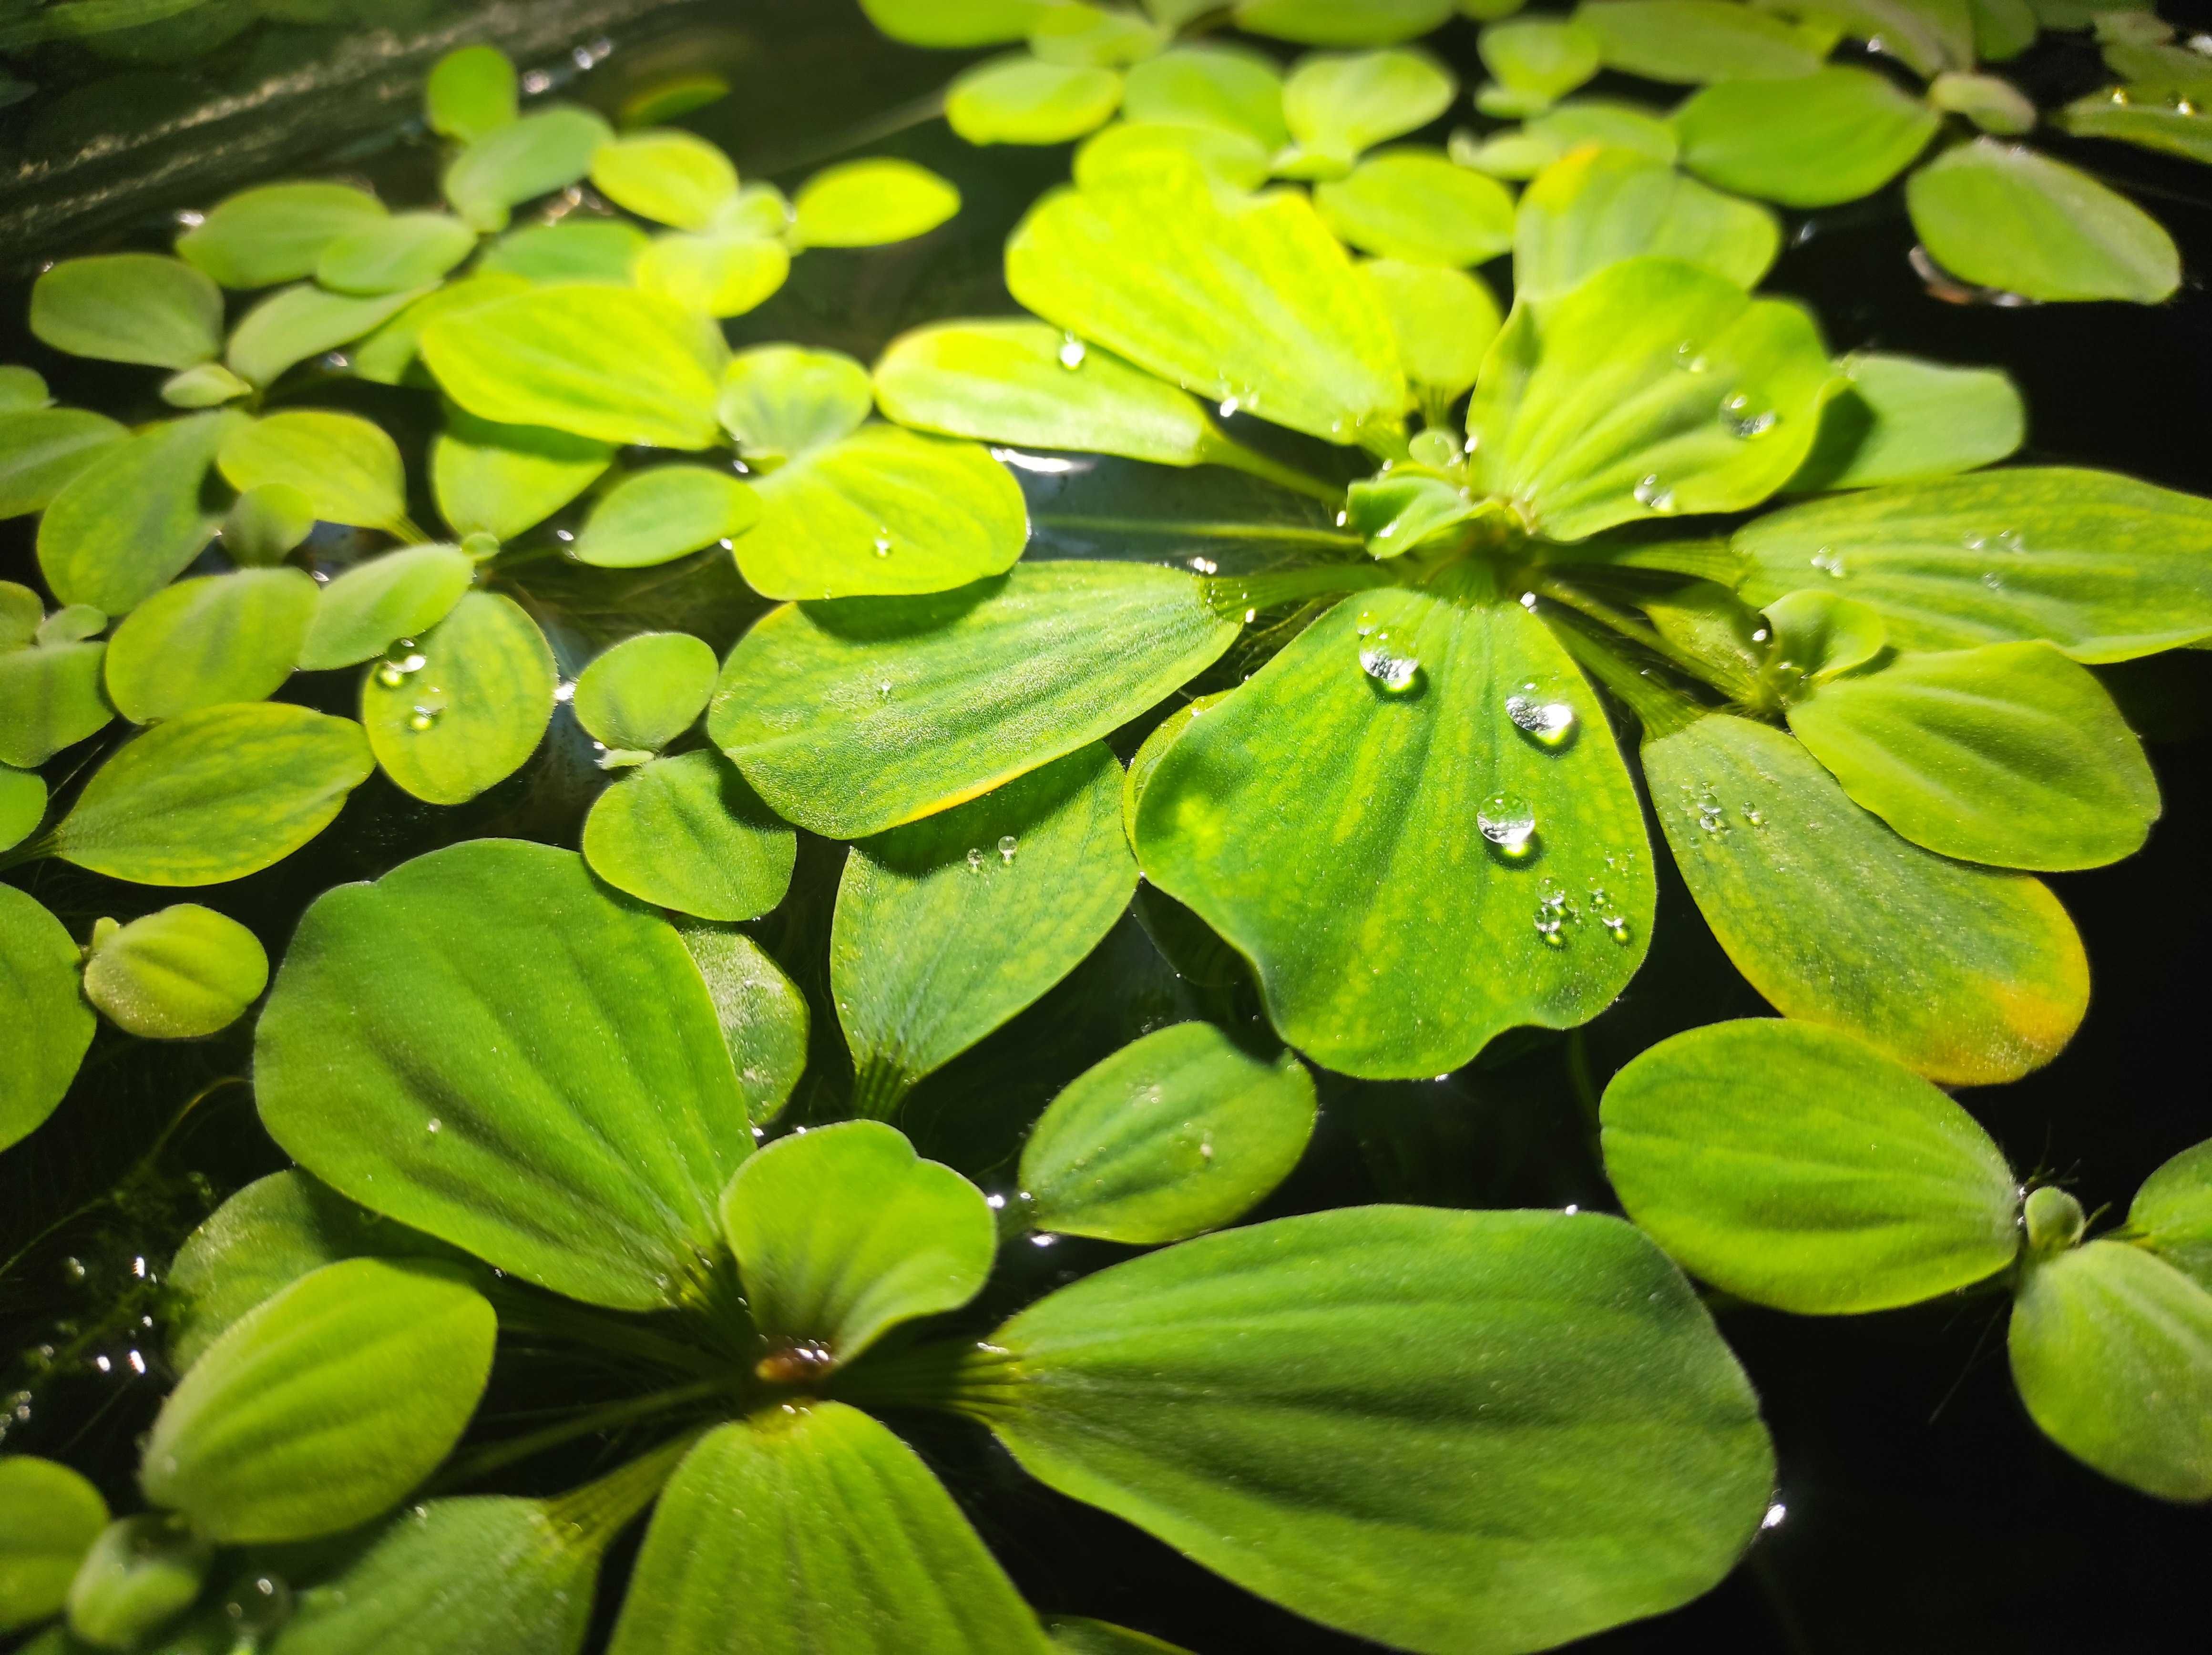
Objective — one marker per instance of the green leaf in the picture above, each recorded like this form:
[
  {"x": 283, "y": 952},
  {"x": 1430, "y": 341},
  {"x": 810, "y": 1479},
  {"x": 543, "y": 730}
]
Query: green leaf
[
  {"x": 1026, "y": 100},
  {"x": 817, "y": 1529},
  {"x": 2004, "y": 217},
  {"x": 409, "y": 251},
  {"x": 1416, "y": 205},
  {"x": 387, "y": 356},
  {"x": 49, "y": 1517},
  {"x": 1227, "y": 88},
  {"x": 687, "y": 833},
  {"x": 2002, "y": 28},
  {"x": 141, "y": 1573},
  {"x": 209, "y": 385},
  {"x": 1902, "y": 420},
  {"x": 1693, "y": 42},
  {"x": 473, "y": 713},
  {"x": 884, "y": 511},
  {"x": 2104, "y": 567},
  {"x": 1819, "y": 635},
  {"x": 213, "y": 795},
  {"x": 954, "y": 22},
  {"x": 764, "y": 1016},
  {"x": 1794, "y": 1167},
  {"x": 295, "y": 323},
  {"x": 1996, "y": 107},
  {"x": 22, "y": 805},
  {"x": 50, "y": 1025},
  {"x": 1337, "y": 106},
  {"x": 1553, "y": 135},
  {"x": 574, "y": 250},
  {"x": 712, "y": 276},
  {"x": 602, "y": 362},
  {"x": 1128, "y": 153},
  {"x": 2172, "y": 1212},
  {"x": 1028, "y": 384},
  {"x": 841, "y": 1234},
  {"x": 260, "y": 238},
  {"x": 2112, "y": 1349},
  {"x": 323, "y": 1405},
  {"x": 1599, "y": 207},
  {"x": 22, "y": 617},
  {"x": 22, "y": 390},
  {"x": 1964, "y": 975},
  {"x": 669, "y": 176},
  {"x": 1445, "y": 321},
  {"x": 1556, "y": 1406},
  {"x": 1656, "y": 387},
  {"x": 1386, "y": 730},
  {"x": 397, "y": 594},
  {"x": 867, "y": 203},
  {"x": 647, "y": 690},
  {"x": 855, "y": 716},
  {"x": 2009, "y": 753},
  {"x": 42, "y": 449},
  {"x": 501, "y": 480},
  {"x": 1927, "y": 36},
  {"x": 266, "y": 526},
  {"x": 1812, "y": 141},
  {"x": 470, "y": 91},
  {"x": 489, "y": 1047},
  {"x": 1251, "y": 303},
  {"x": 176, "y": 975},
  {"x": 202, "y": 642},
  {"x": 1072, "y": 1634},
  {"x": 132, "y": 521},
  {"x": 2115, "y": 114},
  {"x": 782, "y": 401},
  {"x": 1074, "y": 32},
  {"x": 1176, "y": 1133},
  {"x": 946, "y": 927},
  {"x": 347, "y": 467},
  {"x": 1341, "y": 22},
  {"x": 51, "y": 697},
  {"x": 520, "y": 160},
  {"x": 1539, "y": 59},
  {"x": 271, "y": 1234},
  {"x": 668, "y": 512},
  {"x": 129, "y": 307}
]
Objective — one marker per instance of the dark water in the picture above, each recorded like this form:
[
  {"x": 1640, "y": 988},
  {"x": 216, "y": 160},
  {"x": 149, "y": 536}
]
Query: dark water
[{"x": 1923, "y": 1511}]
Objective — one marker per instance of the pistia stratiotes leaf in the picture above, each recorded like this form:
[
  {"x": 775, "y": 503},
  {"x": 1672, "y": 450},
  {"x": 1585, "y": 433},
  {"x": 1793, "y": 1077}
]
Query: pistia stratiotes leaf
[
  {"x": 1597, "y": 208},
  {"x": 399, "y": 595},
  {"x": 22, "y": 805},
  {"x": 176, "y": 975},
  {"x": 1024, "y": 100},
  {"x": 1655, "y": 387},
  {"x": 620, "y": 367},
  {"x": 41, "y": 449},
  {"x": 954, "y": 22},
  {"x": 2010, "y": 754},
  {"x": 1693, "y": 42},
  {"x": 2173, "y": 1213},
  {"x": 1556, "y": 1407},
  {"x": 277, "y": 233},
  {"x": 49, "y": 1517},
  {"x": 647, "y": 690},
  {"x": 2104, "y": 567},
  {"x": 500, "y": 480},
  {"x": 51, "y": 697},
  {"x": 854, "y": 716},
  {"x": 208, "y": 384},
  {"x": 407, "y": 252},
  {"x": 1227, "y": 88},
  {"x": 1901, "y": 420},
  {"x": 816, "y": 1529},
  {"x": 1176, "y": 1133},
  {"x": 132, "y": 521},
  {"x": 2112, "y": 1350},
  {"x": 1073, "y": 1635},
  {"x": 2176, "y": 131},
  {"x": 1337, "y": 106},
  {"x": 574, "y": 250},
  {"x": 1794, "y": 1167},
  {"x": 528, "y": 1067},
  {"x": 1537, "y": 61},
  {"x": 1084, "y": 33},
  {"x": 22, "y": 389},
  {"x": 687, "y": 833},
  {"x": 781, "y": 401},
  {"x": 466, "y": 708},
  {"x": 946, "y": 927},
  {"x": 266, "y": 524},
  {"x": 668, "y": 512},
  {"x": 139, "y": 1576},
  {"x": 1811, "y": 141},
  {"x": 1966, "y": 975},
  {"x": 295, "y": 323},
  {"x": 714, "y": 276},
  {"x": 2005, "y": 217},
  {"x": 669, "y": 176},
  {"x": 1341, "y": 22},
  {"x": 520, "y": 160},
  {"x": 866, "y": 203},
  {"x": 1137, "y": 153},
  {"x": 841, "y": 1234},
  {"x": 1416, "y": 204},
  {"x": 347, "y": 467},
  {"x": 50, "y": 1025},
  {"x": 213, "y": 795},
  {"x": 245, "y": 1447},
  {"x": 470, "y": 91},
  {"x": 129, "y": 307},
  {"x": 1253, "y": 303},
  {"x": 1386, "y": 733},
  {"x": 764, "y": 1016},
  {"x": 1545, "y": 139},
  {"x": 1818, "y": 636},
  {"x": 1445, "y": 321}
]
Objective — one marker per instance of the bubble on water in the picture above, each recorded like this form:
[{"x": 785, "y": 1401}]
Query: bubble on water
[
  {"x": 1508, "y": 822},
  {"x": 1072, "y": 352},
  {"x": 1548, "y": 723},
  {"x": 1007, "y": 845},
  {"x": 1654, "y": 494},
  {"x": 1745, "y": 418},
  {"x": 1394, "y": 674}
]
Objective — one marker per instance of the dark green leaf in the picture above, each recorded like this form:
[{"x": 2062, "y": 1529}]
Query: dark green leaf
[
  {"x": 397, "y": 595},
  {"x": 686, "y": 833},
  {"x": 41, "y": 449},
  {"x": 132, "y": 521},
  {"x": 49, "y": 1517},
  {"x": 1812, "y": 140},
  {"x": 275, "y": 234},
  {"x": 176, "y": 975},
  {"x": 50, "y": 1024},
  {"x": 574, "y": 250},
  {"x": 129, "y": 307},
  {"x": 22, "y": 805},
  {"x": 473, "y": 712}
]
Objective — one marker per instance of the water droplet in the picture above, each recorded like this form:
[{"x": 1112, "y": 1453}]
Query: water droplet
[
  {"x": 1552, "y": 914},
  {"x": 1829, "y": 563},
  {"x": 434, "y": 1126},
  {"x": 1745, "y": 419},
  {"x": 1007, "y": 845},
  {"x": 1689, "y": 358},
  {"x": 73, "y": 1269},
  {"x": 1993, "y": 581},
  {"x": 882, "y": 541},
  {"x": 426, "y": 714},
  {"x": 1656, "y": 494},
  {"x": 1072, "y": 352},
  {"x": 884, "y": 690},
  {"x": 1394, "y": 674},
  {"x": 1509, "y": 821},
  {"x": 1754, "y": 815},
  {"x": 975, "y": 861},
  {"x": 258, "y": 1605},
  {"x": 401, "y": 662},
  {"x": 1550, "y": 724},
  {"x": 1229, "y": 406},
  {"x": 1711, "y": 816}
]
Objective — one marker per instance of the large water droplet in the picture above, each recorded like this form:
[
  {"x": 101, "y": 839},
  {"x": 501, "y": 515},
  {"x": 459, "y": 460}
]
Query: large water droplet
[
  {"x": 401, "y": 662},
  {"x": 1072, "y": 352},
  {"x": 1508, "y": 822},
  {"x": 258, "y": 1605},
  {"x": 429, "y": 707},
  {"x": 1829, "y": 563},
  {"x": 975, "y": 861},
  {"x": 1434, "y": 449},
  {"x": 1007, "y": 845},
  {"x": 882, "y": 541},
  {"x": 1746, "y": 418},
  {"x": 1654, "y": 494},
  {"x": 1394, "y": 674},
  {"x": 1548, "y": 723}
]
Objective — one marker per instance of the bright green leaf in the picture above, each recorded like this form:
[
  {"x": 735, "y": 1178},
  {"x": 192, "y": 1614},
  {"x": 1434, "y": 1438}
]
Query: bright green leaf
[
  {"x": 470, "y": 91},
  {"x": 22, "y": 805},
  {"x": 782, "y": 401},
  {"x": 669, "y": 176},
  {"x": 764, "y": 1016},
  {"x": 49, "y": 1517},
  {"x": 1817, "y": 636},
  {"x": 1024, "y": 100},
  {"x": 1337, "y": 106},
  {"x": 408, "y": 250},
  {"x": 176, "y": 975},
  {"x": 2176, "y": 132},
  {"x": 1128, "y": 154},
  {"x": 866, "y": 203},
  {"x": 132, "y": 521},
  {"x": 139, "y": 1575},
  {"x": 1812, "y": 141},
  {"x": 129, "y": 307},
  {"x": 472, "y": 713},
  {"x": 42, "y": 449},
  {"x": 50, "y": 1025},
  {"x": 1693, "y": 42},
  {"x": 2172, "y": 1212},
  {"x": 387, "y": 356},
  {"x": 1073, "y": 1635},
  {"x": 1996, "y": 107},
  {"x": 712, "y": 276},
  {"x": 656, "y": 516},
  {"x": 295, "y": 323},
  {"x": 954, "y": 22},
  {"x": 1414, "y": 204},
  {"x": 574, "y": 250},
  {"x": 520, "y": 160},
  {"x": 1228, "y": 87},
  {"x": 51, "y": 697},
  {"x": 1902, "y": 420},
  {"x": 686, "y": 833},
  {"x": 1599, "y": 207},
  {"x": 1075, "y": 32},
  {"x": 22, "y": 389},
  {"x": 1540, "y": 59},
  {"x": 1341, "y": 22},
  {"x": 266, "y": 524},
  {"x": 274, "y": 234},
  {"x": 205, "y": 641},
  {"x": 1445, "y": 321},
  {"x": 345, "y": 465},
  {"x": 500, "y": 480},
  {"x": 396, "y": 595},
  {"x": 647, "y": 690}
]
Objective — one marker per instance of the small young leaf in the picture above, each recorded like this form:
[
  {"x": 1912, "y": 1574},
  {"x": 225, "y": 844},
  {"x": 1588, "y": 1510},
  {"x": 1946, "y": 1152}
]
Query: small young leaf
[
  {"x": 51, "y": 1026},
  {"x": 408, "y": 250},
  {"x": 1176, "y": 1133},
  {"x": 688, "y": 833},
  {"x": 715, "y": 276},
  {"x": 22, "y": 804},
  {"x": 132, "y": 521},
  {"x": 323, "y": 1405},
  {"x": 853, "y": 717},
  {"x": 1902, "y": 420},
  {"x": 764, "y": 1016},
  {"x": 1229, "y": 88},
  {"x": 1416, "y": 205},
  {"x": 520, "y": 160},
  {"x": 574, "y": 250},
  {"x": 266, "y": 524},
  {"x": 49, "y": 1519},
  {"x": 1445, "y": 321},
  {"x": 1338, "y": 105},
  {"x": 1819, "y": 635},
  {"x": 1540, "y": 59},
  {"x": 400, "y": 594},
  {"x": 656, "y": 516},
  {"x": 177, "y": 974},
  {"x": 1024, "y": 100},
  {"x": 526, "y": 1065},
  {"x": 2172, "y": 1212},
  {"x": 43, "y": 449},
  {"x": 1812, "y": 141},
  {"x": 867, "y": 203},
  {"x": 295, "y": 323},
  {"x": 51, "y": 697},
  {"x": 347, "y": 467},
  {"x": 470, "y": 91},
  {"x": 500, "y": 480},
  {"x": 2004, "y": 217},
  {"x": 205, "y": 641},
  {"x": 129, "y": 307},
  {"x": 1996, "y": 106},
  {"x": 671, "y": 177},
  {"x": 647, "y": 690},
  {"x": 472, "y": 713},
  {"x": 139, "y": 1575},
  {"x": 213, "y": 795},
  {"x": 1597, "y": 208},
  {"x": 780, "y": 401},
  {"x": 1693, "y": 42},
  {"x": 956, "y": 23},
  {"x": 275, "y": 234},
  {"x": 22, "y": 390}
]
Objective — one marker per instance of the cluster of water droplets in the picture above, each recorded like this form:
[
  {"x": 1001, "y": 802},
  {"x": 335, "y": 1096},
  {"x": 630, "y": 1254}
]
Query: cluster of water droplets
[
  {"x": 1559, "y": 913},
  {"x": 2009, "y": 542},
  {"x": 402, "y": 665},
  {"x": 1008, "y": 846},
  {"x": 1704, "y": 807}
]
